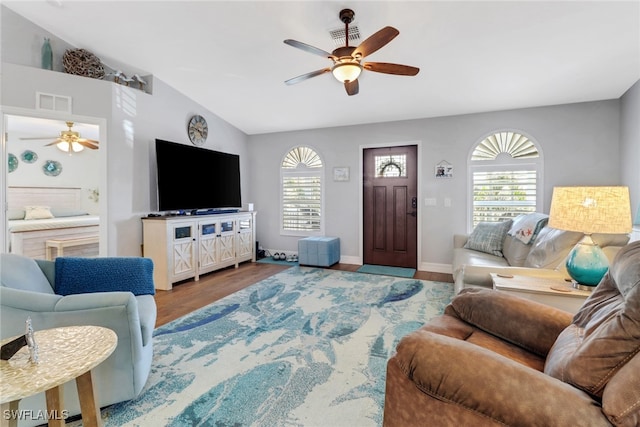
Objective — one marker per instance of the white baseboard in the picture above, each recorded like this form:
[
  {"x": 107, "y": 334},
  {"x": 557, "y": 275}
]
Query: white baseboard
[
  {"x": 436, "y": 268},
  {"x": 356, "y": 260},
  {"x": 346, "y": 259}
]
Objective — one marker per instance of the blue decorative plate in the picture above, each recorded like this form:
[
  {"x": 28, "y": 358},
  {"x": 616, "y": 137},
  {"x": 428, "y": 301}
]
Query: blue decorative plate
[
  {"x": 13, "y": 162},
  {"x": 52, "y": 168},
  {"x": 28, "y": 156}
]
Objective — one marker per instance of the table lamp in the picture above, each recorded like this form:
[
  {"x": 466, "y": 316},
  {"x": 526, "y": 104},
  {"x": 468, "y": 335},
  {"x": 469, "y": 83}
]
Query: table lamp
[{"x": 590, "y": 210}]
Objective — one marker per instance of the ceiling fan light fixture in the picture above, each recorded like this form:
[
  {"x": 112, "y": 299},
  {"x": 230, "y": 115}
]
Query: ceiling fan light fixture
[
  {"x": 347, "y": 71},
  {"x": 70, "y": 146}
]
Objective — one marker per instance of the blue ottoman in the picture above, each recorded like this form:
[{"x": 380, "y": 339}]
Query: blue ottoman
[{"x": 319, "y": 251}]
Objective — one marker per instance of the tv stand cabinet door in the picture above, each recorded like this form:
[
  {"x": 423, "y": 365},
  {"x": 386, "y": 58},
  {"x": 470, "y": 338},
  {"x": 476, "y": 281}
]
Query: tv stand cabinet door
[
  {"x": 246, "y": 241},
  {"x": 227, "y": 242},
  {"x": 208, "y": 253},
  {"x": 183, "y": 260},
  {"x": 171, "y": 246}
]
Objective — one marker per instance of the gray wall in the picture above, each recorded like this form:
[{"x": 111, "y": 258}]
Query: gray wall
[
  {"x": 630, "y": 144},
  {"x": 580, "y": 145}
]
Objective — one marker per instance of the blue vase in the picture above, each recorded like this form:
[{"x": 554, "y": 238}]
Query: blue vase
[
  {"x": 587, "y": 263},
  {"x": 47, "y": 55}
]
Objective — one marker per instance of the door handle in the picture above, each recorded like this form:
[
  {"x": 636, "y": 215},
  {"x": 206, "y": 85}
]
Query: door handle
[{"x": 413, "y": 214}]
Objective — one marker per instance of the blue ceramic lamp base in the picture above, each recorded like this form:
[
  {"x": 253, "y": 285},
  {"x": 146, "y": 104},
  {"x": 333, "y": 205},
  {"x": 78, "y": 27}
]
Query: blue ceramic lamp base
[{"x": 587, "y": 264}]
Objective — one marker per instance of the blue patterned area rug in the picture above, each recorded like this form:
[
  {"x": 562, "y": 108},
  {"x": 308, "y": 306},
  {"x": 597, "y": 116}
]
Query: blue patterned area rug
[
  {"x": 305, "y": 347},
  {"x": 387, "y": 270}
]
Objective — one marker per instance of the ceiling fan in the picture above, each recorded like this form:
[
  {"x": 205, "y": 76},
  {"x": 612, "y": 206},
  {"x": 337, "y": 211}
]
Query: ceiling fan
[
  {"x": 69, "y": 140},
  {"x": 347, "y": 60}
]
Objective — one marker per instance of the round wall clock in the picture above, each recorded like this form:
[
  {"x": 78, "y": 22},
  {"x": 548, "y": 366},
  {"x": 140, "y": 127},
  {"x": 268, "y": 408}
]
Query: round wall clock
[{"x": 197, "y": 130}]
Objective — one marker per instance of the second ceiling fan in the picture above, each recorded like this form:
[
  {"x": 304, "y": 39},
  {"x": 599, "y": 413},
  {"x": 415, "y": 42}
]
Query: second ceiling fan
[
  {"x": 69, "y": 140},
  {"x": 347, "y": 60}
]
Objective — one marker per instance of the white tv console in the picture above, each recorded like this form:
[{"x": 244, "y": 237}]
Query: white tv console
[{"x": 184, "y": 247}]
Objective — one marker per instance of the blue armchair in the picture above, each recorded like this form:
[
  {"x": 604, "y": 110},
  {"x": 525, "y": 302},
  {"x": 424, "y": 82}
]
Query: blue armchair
[{"x": 50, "y": 293}]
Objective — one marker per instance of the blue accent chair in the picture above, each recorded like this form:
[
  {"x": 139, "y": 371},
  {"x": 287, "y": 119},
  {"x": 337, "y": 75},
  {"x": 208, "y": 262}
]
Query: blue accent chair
[{"x": 28, "y": 289}]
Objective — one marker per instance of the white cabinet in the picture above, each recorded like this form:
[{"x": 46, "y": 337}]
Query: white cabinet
[{"x": 186, "y": 247}]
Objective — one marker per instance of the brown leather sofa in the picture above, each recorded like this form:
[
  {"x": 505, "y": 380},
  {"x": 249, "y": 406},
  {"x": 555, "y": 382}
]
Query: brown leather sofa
[{"x": 493, "y": 359}]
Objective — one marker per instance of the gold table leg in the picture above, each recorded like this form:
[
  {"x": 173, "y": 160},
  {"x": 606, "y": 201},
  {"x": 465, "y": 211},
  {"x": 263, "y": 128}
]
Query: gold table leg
[
  {"x": 9, "y": 414},
  {"x": 55, "y": 405},
  {"x": 88, "y": 405}
]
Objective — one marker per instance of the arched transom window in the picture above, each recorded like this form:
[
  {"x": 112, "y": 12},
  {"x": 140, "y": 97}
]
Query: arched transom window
[
  {"x": 513, "y": 144},
  {"x": 505, "y": 170},
  {"x": 301, "y": 192}
]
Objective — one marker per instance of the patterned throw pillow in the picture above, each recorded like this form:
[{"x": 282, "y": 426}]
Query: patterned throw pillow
[{"x": 488, "y": 237}]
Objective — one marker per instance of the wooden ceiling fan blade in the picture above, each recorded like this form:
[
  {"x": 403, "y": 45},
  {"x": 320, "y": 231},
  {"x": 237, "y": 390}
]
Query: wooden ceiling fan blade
[
  {"x": 307, "y": 76},
  {"x": 352, "y": 88},
  {"x": 310, "y": 49},
  {"x": 387, "y": 68},
  {"x": 89, "y": 143},
  {"x": 37, "y": 138},
  {"x": 57, "y": 141},
  {"x": 375, "y": 42}
]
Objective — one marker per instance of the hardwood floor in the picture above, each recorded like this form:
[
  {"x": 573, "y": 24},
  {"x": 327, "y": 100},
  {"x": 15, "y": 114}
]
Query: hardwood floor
[{"x": 190, "y": 295}]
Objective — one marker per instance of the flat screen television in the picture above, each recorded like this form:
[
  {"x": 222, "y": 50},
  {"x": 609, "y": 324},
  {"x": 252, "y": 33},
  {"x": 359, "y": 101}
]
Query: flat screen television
[{"x": 192, "y": 178}]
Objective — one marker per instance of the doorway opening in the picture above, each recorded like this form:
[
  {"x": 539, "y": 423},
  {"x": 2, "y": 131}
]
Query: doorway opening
[{"x": 52, "y": 192}]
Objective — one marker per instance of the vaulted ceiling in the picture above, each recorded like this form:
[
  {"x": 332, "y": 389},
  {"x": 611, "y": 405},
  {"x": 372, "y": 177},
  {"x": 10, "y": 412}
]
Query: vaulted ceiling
[{"x": 474, "y": 56}]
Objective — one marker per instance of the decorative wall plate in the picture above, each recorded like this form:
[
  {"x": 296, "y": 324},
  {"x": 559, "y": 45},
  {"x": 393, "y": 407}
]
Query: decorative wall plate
[
  {"x": 52, "y": 168},
  {"x": 28, "y": 156},
  {"x": 13, "y": 162}
]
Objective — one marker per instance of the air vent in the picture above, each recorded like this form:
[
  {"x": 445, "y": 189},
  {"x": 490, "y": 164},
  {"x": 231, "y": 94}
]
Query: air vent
[{"x": 337, "y": 36}]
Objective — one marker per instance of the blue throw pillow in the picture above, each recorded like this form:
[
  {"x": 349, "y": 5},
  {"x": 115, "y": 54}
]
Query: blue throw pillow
[
  {"x": 110, "y": 274},
  {"x": 488, "y": 237}
]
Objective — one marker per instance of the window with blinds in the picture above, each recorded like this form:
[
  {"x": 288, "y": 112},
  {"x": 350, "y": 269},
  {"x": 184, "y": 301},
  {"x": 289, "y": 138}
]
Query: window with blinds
[
  {"x": 301, "y": 195},
  {"x": 501, "y": 195},
  {"x": 504, "y": 170}
]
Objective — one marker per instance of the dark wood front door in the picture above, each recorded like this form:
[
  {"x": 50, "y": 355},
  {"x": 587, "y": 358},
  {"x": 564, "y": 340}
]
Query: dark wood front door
[{"x": 390, "y": 206}]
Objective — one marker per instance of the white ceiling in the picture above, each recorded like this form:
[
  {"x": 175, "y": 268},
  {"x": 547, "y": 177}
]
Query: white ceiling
[{"x": 474, "y": 56}]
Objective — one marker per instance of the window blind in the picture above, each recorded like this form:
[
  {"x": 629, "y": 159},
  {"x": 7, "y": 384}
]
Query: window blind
[{"x": 503, "y": 194}]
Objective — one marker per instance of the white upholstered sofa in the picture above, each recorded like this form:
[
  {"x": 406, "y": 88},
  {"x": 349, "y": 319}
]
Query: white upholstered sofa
[{"x": 543, "y": 256}]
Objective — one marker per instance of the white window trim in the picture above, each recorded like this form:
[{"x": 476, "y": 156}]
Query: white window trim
[
  {"x": 302, "y": 170},
  {"x": 505, "y": 163}
]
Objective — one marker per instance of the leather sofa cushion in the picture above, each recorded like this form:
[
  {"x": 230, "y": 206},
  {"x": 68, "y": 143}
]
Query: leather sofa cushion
[
  {"x": 451, "y": 326},
  {"x": 514, "y": 251},
  {"x": 604, "y": 240},
  {"x": 551, "y": 247},
  {"x": 487, "y": 310},
  {"x": 605, "y": 333},
  {"x": 463, "y": 257}
]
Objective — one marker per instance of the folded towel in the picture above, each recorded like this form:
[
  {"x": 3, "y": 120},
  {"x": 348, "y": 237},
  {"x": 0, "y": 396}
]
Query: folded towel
[
  {"x": 526, "y": 227},
  {"x": 109, "y": 274}
]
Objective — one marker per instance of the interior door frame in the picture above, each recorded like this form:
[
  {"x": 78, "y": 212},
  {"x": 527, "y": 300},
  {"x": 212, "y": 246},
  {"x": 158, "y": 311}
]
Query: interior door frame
[
  {"x": 363, "y": 147},
  {"x": 54, "y": 115}
]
